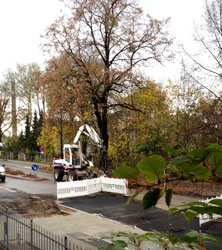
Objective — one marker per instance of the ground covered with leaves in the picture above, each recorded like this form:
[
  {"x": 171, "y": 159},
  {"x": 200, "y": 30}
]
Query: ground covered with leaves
[{"x": 31, "y": 206}]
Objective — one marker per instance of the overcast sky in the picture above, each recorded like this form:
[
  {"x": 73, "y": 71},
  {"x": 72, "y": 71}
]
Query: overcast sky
[{"x": 23, "y": 21}]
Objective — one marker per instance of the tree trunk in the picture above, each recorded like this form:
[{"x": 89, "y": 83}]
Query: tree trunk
[
  {"x": 14, "y": 115},
  {"x": 105, "y": 137},
  {"x": 103, "y": 127},
  {"x": 61, "y": 137}
]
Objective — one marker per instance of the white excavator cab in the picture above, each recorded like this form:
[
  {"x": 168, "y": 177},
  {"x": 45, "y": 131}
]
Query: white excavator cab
[
  {"x": 77, "y": 163},
  {"x": 72, "y": 154}
]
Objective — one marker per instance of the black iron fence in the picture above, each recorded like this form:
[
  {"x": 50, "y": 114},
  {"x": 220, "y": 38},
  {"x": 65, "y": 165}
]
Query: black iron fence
[{"x": 17, "y": 233}]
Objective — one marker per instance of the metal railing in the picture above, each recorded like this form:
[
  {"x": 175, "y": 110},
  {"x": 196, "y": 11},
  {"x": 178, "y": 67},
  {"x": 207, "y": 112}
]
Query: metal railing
[
  {"x": 33, "y": 157},
  {"x": 3, "y": 156},
  {"x": 17, "y": 233}
]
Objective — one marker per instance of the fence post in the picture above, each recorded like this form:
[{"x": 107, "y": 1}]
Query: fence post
[
  {"x": 6, "y": 227},
  {"x": 66, "y": 243},
  {"x": 31, "y": 227},
  {"x": 5, "y": 235}
]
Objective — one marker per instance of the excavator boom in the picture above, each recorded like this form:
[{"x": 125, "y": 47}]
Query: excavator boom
[
  {"x": 77, "y": 162},
  {"x": 90, "y": 132}
]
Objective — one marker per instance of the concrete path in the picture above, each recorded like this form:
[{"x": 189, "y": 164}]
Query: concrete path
[{"x": 89, "y": 228}]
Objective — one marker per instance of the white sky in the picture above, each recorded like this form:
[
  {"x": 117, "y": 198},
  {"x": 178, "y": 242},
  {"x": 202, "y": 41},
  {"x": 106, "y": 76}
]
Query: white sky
[{"x": 23, "y": 21}]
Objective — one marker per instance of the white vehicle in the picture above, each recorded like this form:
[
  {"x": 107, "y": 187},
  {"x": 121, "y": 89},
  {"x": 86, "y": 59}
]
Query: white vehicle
[
  {"x": 77, "y": 163},
  {"x": 2, "y": 173}
]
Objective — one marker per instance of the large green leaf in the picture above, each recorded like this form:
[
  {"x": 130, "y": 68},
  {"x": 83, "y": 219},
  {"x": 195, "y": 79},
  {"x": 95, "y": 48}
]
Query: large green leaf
[
  {"x": 171, "y": 237},
  {"x": 209, "y": 239},
  {"x": 199, "y": 210},
  {"x": 213, "y": 148},
  {"x": 183, "y": 168},
  {"x": 132, "y": 197},
  {"x": 196, "y": 206},
  {"x": 195, "y": 203},
  {"x": 153, "y": 167},
  {"x": 217, "y": 202},
  {"x": 189, "y": 216},
  {"x": 168, "y": 197},
  {"x": 198, "y": 154},
  {"x": 216, "y": 160},
  {"x": 186, "y": 168},
  {"x": 202, "y": 173},
  {"x": 119, "y": 244},
  {"x": 175, "y": 170},
  {"x": 171, "y": 151},
  {"x": 172, "y": 211},
  {"x": 192, "y": 237},
  {"x": 151, "y": 178},
  {"x": 179, "y": 159},
  {"x": 190, "y": 169},
  {"x": 127, "y": 235},
  {"x": 126, "y": 172},
  {"x": 151, "y": 198},
  {"x": 214, "y": 210},
  {"x": 177, "y": 248}
]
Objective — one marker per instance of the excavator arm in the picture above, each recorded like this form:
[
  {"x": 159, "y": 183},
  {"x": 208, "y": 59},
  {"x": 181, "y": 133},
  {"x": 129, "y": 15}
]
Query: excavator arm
[{"x": 91, "y": 133}]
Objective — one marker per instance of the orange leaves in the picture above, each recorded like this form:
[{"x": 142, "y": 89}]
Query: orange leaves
[{"x": 101, "y": 46}]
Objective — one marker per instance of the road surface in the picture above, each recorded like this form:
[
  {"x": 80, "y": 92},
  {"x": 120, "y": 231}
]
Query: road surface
[
  {"x": 45, "y": 183},
  {"x": 110, "y": 206}
]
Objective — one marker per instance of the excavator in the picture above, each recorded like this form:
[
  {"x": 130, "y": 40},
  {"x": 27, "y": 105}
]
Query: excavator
[{"x": 78, "y": 162}]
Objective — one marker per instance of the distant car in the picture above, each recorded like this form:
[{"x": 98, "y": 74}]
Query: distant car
[{"x": 2, "y": 173}]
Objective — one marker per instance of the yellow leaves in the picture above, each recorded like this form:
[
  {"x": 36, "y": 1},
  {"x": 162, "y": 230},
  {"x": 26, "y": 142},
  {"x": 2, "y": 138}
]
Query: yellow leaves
[
  {"x": 49, "y": 139},
  {"x": 119, "y": 149},
  {"x": 154, "y": 124}
]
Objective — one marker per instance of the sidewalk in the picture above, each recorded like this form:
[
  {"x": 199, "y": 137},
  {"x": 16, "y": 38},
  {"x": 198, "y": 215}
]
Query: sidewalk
[{"x": 89, "y": 228}]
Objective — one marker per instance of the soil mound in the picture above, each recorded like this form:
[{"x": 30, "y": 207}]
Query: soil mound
[{"x": 32, "y": 206}]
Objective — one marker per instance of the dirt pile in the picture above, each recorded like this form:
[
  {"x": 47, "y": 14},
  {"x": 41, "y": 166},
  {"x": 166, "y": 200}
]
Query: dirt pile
[{"x": 33, "y": 206}]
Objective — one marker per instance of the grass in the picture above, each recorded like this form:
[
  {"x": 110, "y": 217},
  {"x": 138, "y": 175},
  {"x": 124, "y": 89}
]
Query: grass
[
  {"x": 46, "y": 169},
  {"x": 14, "y": 172},
  {"x": 18, "y": 172}
]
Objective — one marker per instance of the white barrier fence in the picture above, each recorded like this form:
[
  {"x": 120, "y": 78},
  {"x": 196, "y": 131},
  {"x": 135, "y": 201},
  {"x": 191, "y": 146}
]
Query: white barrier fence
[
  {"x": 91, "y": 186},
  {"x": 118, "y": 186},
  {"x": 204, "y": 218}
]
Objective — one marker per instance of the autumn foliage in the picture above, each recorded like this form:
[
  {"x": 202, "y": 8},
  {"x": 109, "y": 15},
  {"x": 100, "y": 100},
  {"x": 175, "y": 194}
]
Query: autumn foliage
[{"x": 99, "y": 46}]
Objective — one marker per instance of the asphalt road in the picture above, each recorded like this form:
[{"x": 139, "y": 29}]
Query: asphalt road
[
  {"x": 26, "y": 167},
  {"x": 113, "y": 207},
  {"x": 33, "y": 186},
  {"x": 110, "y": 206}
]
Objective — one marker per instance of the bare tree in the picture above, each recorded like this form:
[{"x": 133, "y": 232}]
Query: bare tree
[
  {"x": 9, "y": 80},
  {"x": 5, "y": 114},
  {"x": 106, "y": 42},
  {"x": 26, "y": 82},
  {"x": 207, "y": 59}
]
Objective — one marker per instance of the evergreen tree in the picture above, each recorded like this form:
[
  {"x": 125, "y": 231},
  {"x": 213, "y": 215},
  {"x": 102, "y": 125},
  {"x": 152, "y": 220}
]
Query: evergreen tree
[
  {"x": 21, "y": 145},
  {"x": 36, "y": 130},
  {"x": 27, "y": 133},
  {"x": 32, "y": 132}
]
